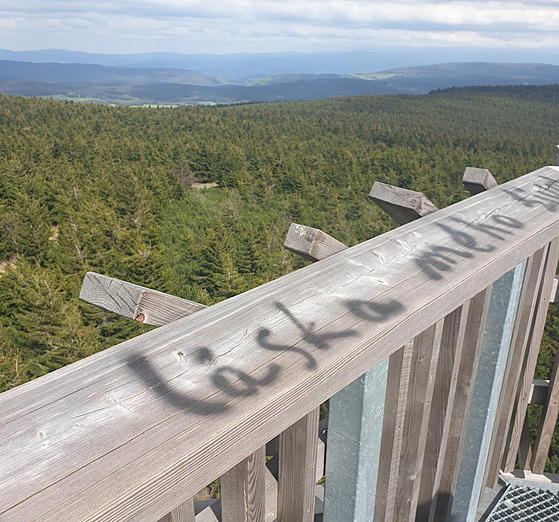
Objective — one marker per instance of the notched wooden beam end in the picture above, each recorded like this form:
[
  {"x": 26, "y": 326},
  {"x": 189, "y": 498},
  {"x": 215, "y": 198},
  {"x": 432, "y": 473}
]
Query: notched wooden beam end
[
  {"x": 554, "y": 297},
  {"x": 402, "y": 205},
  {"x": 311, "y": 243},
  {"x": 477, "y": 180},
  {"x": 134, "y": 301}
]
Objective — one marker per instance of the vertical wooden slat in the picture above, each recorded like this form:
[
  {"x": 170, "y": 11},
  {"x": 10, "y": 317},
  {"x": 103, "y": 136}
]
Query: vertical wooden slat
[
  {"x": 297, "y": 470},
  {"x": 532, "y": 355},
  {"x": 547, "y": 422},
  {"x": 416, "y": 422},
  {"x": 243, "y": 490},
  {"x": 397, "y": 382},
  {"x": 524, "y": 448},
  {"x": 447, "y": 471},
  {"x": 182, "y": 513},
  {"x": 443, "y": 401},
  {"x": 513, "y": 371}
]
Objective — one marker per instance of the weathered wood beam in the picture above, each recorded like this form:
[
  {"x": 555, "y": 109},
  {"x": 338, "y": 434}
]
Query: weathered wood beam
[
  {"x": 311, "y": 243},
  {"x": 134, "y": 301},
  {"x": 400, "y": 204},
  {"x": 243, "y": 485},
  {"x": 477, "y": 180},
  {"x": 128, "y": 432}
]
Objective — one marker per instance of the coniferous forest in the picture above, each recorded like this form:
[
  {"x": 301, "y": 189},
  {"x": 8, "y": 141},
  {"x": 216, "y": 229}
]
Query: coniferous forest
[{"x": 109, "y": 189}]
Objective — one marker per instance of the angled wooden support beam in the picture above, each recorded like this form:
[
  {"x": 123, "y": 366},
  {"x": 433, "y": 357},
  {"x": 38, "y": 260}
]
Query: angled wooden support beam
[
  {"x": 243, "y": 485},
  {"x": 311, "y": 243},
  {"x": 478, "y": 180},
  {"x": 402, "y": 205},
  {"x": 134, "y": 301}
]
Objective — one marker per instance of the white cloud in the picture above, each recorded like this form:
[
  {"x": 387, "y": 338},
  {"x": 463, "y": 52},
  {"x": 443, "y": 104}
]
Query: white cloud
[{"x": 232, "y": 25}]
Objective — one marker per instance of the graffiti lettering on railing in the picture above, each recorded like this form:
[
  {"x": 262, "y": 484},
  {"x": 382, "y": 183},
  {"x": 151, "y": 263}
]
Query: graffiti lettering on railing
[
  {"x": 319, "y": 340},
  {"x": 439, "y": 259},
  {"x": 545, "y": 195},
  {"x": 374, "y": 310}
]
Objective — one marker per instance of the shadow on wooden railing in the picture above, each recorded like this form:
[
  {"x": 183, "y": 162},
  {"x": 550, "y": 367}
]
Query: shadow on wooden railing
[{"x": 424, "y": 339}]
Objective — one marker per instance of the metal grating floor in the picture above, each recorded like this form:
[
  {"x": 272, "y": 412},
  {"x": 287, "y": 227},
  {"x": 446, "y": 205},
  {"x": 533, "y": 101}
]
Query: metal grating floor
[{"x": 519, "y": 502}]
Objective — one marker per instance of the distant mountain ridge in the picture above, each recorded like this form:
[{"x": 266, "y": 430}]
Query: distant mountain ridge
[{"x": 176, "y": 86}]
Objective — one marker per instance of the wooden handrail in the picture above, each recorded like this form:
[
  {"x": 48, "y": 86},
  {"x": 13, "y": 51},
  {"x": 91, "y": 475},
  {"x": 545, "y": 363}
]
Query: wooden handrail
[{"x": 129, "y": 433}]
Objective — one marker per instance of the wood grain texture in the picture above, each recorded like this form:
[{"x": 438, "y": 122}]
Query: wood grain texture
[
  {"x": 297, "y": 470},
  {"x": 532, "y": 353},
  {"x": 134, "y": 301},
  {"x": 311, "y": 243},
  {"x": 547, "y": 422},
  {"x": 183, "y": 513},
  {"x": 400, "y": 204},
  {"x": 477, "y": 180},
  {"x": 130, "y": 431},
  {"x": 513, "y": 371},
  {"x": 243, "y": 490},
  {"x": 416, "y": 421},
  {"x": 440, "y": 418},
  {"x": 447, "y": 471},
  {"x": 397, "y": 382}
]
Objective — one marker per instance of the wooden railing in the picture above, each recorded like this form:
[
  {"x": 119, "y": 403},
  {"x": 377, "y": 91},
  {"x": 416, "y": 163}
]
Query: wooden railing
[{"x": 424, "y": 339}]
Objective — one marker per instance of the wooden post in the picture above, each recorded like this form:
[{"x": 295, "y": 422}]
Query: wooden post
[
  {"x": 243, "y": 485},
  {"x": 478, "y": 180}
]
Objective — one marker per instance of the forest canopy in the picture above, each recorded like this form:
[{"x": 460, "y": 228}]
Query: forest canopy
[{"x": 109, "y": 189}]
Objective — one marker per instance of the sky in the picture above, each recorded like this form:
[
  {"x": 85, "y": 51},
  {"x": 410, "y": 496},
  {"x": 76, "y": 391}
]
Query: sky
[{"x": 228, "y": 26}]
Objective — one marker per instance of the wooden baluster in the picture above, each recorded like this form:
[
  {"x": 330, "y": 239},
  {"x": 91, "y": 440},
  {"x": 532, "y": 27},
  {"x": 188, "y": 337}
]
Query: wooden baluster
[
  {"x": 408, "y": 392},
  {"x": 513, "y": 371},
  {"x": 243, "y": 488},
  {"x": 547, "y": 422},
  {"x": 298, "y": 443},
  {"x": 532, "y": 355},
  {"x": 423, "y": 369},
  {"x": 441, "y": 416},
  {"x": 297, "y": 469},
  {"x": 447, "y": 470}
]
